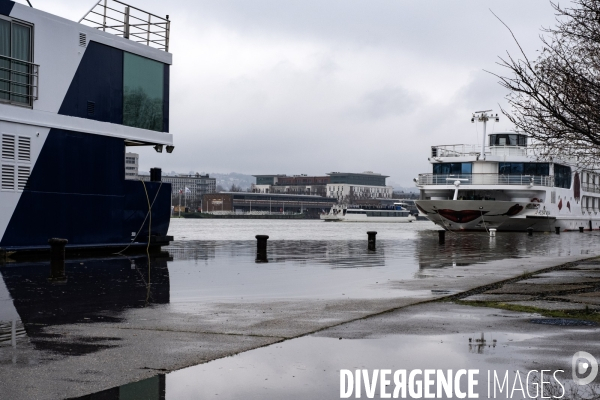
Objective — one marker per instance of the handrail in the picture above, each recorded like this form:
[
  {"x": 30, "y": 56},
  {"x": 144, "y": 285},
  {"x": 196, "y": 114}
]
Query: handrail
[
  {"x": 26, "y": 78},
  {"x": 485, "y": 179},
  {"x": 590, "y": 187},
  {"x": 153, "y": 33}
]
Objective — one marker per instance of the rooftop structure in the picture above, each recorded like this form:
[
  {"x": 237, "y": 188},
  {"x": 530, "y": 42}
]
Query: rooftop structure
[
  {"x": 121, "y": 19},
  {"x": 297, "y": 184},
  {"x": 367, "y": 178}
]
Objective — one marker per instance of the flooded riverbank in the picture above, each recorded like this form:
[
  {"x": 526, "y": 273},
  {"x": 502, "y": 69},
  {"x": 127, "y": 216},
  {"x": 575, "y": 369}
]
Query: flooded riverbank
[{"x": 125, "y": 319}]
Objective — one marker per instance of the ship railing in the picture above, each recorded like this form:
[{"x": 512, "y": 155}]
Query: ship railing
[
  {"x": 130, "y": 22},
  {"x": 485, "y": 179},
  {"x": 19, "y": 81},
  {"x": 461, "y": 150},
  {"x": 590, "y": 187}
]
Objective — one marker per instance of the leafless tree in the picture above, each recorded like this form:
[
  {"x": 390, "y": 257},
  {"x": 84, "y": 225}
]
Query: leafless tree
[{"x": 555, "y": 98}]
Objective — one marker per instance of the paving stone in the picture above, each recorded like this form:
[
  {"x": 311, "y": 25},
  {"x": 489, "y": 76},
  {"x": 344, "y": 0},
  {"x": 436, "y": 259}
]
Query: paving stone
[
  {"x": 587, "y": 298},
  {"x": 552, "y": 305},
  {"x": 561, "y": 280},
  {"x": 498, "y": 297},
  {"x": 528, "y": 288},
  {"x": 571, "y": 273},
  {"x": 590, "y": 266}
]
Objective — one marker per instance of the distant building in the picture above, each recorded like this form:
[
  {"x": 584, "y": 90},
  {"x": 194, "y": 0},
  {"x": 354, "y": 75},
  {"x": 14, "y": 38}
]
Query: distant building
[
  {"x": 132, "y": 165},
  {"x": 187, "y": 188},
  {"x": 297, "y": 184},
  {"x": 345, "y": 187},
  {"x": 354, "y": 188},
  {"x": 268, "y": 203}
]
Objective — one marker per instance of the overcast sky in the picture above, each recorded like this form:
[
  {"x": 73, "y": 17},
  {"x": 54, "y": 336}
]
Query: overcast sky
[{"x": 272, "y": 86}]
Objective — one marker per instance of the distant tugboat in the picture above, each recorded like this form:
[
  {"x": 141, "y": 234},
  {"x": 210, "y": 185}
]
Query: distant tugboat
[
  {"x": 73, "y": 97},
  {"x": 506, "y": 186}
]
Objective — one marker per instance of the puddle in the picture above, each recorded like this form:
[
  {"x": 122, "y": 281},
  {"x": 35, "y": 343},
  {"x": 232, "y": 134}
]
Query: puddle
[{"x": 309, "y": 367}]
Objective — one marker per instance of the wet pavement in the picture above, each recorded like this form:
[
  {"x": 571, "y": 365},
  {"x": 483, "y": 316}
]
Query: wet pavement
[{"x": 119, "y": 320}]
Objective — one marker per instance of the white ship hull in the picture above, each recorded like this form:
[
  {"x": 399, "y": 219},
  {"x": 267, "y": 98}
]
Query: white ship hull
[
  {"x": 471, "y": 215},
  {"x": 330, "y": 218},
  {"x": 357, "y": 218},
  {"x": 344, "y": 214}
]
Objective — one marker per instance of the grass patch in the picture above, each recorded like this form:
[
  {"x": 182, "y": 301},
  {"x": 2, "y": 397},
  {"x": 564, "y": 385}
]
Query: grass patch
[{"x": 587, "y": 314}]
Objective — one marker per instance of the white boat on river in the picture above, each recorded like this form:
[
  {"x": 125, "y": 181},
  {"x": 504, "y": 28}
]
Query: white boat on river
[
  {"x": 507, "y": 186},
  {"x": 344, "y": 214}
]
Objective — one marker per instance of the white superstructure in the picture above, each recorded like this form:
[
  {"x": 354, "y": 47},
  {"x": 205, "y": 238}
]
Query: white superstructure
[{"x": 507, "y": 186}]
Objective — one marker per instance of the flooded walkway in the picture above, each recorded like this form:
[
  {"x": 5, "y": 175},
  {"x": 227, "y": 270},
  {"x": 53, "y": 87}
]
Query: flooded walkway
[{"x": 119, "y": 320}]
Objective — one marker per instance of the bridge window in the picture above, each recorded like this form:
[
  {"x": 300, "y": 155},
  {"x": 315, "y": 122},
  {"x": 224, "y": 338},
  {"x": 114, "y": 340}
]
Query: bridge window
[
  {"x": 508, "y": 140},
  {"x": 143, "y": 97},
  {"x": 541, "y": 169},
  {"x": 453, "y": 168},
  {"x": 562, "y": 176}
]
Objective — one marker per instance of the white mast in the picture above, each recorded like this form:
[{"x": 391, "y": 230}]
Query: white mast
[{"x": 483, "y": 116}]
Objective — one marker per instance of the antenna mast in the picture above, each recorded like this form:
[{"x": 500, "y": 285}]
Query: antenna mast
[{"x": 483, "y": 116}]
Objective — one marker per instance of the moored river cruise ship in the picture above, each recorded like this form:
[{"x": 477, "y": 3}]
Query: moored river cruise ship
[
  {"x": 505, "y": 186},
  {"x": 74, "y": 97}
]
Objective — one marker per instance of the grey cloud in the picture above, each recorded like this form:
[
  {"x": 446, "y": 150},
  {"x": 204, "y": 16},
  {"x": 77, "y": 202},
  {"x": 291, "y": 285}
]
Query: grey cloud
[
  {"x": 385, "y": 102},
  {"x": 334, "y": 106}
]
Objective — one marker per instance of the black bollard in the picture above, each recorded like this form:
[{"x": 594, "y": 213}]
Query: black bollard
[
  {"x": 57, "y": 260},
  {"x": 529, "y": 231},
  {"x": 581, "y": 229},
  {"x": 442, "y": 237},
  {"x": 261, "y": 248},
  {"x": 372, "y": 243},
  {"x": 557, "y": 230}
]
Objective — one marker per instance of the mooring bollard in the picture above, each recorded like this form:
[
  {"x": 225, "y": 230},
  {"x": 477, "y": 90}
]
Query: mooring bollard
[
  {"x": 57, "y": 260},
  {"x": 557, "y": 230},
  {"x": 442, "y": 237},
  {"x": 261, "y": 248},
  {"x": 529, "y": 231},
  {"x": 372, "y": 241}
]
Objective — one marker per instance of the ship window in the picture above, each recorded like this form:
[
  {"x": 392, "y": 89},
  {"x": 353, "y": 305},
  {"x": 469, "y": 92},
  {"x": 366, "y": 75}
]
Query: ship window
[
  {"x": 541, "y": 169},
  {"x": 508, "y": 140},
  {"x": 452, "y": 168},
  {"x": 562, "y": 176},
  {"x": 143, "y": 95},
  {"x": 15, "y": 55}
]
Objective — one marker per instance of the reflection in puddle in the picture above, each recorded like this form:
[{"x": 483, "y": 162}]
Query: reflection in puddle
[
  {"x": 479, "y": 344},
  {"x": 147, "y": 389},
  {"x": 94, "y": 290},
  {"x": 10, "y": 332}
]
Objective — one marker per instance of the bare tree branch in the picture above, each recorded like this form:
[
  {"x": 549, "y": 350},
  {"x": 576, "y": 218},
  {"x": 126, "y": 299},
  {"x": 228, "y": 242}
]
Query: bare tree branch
[{"x": 556, "y": 98}]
